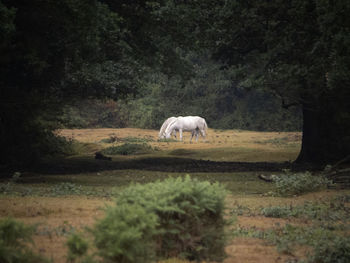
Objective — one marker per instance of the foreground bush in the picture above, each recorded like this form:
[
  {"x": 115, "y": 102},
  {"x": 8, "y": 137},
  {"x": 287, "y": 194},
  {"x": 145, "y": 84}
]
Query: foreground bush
[
  {"x": 296, "y": 184},
  {"x": 177, "y": 217},
  {"x": 14, "y": 237},
  {"x": 126, "y": 234}
]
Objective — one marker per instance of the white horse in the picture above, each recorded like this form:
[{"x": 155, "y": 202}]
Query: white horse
[
  {"x": 164, "y": 126},
  {"x": 192, "y": 124}
]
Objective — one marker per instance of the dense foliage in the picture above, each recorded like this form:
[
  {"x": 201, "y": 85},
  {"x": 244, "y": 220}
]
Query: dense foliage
[
  {"x": 299, "y": 183},
  {"x": 14, "y": 239},
  {"x": 211, "y": 92},
  {"x": 297, "y": 49},
  {"x": 177, "y": 217},
  {"x": 54, "y": 53}
]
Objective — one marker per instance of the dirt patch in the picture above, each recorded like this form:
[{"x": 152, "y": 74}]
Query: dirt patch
[
  {"x": 56, "y": 219},
  {"x": 264, "y": 223},
  {"x": 253, "y": 250}
]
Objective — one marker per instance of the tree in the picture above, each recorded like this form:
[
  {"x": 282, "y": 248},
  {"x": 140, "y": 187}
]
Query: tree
[
  {"x": 298, "y": 49},
  {"x": 55, "y": 52}
]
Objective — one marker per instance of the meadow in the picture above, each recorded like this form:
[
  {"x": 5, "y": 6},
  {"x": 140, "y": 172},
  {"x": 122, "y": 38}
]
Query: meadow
[{"x": 70, "y": 194}]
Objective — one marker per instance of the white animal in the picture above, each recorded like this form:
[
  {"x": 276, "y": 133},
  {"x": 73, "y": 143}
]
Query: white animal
[
  {"x": 164, "y": 126},
  {"x": 193, "y": 124}
]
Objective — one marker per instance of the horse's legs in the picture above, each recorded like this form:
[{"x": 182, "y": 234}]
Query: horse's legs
[
  {"x": 174, "y": 133},
  {"x": 180, "y": 131},
  {"x": 192, "y": 134},
  {"x": 196, "y": 131}
]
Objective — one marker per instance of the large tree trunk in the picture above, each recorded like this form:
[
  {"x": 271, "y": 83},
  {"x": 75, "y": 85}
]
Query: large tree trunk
[{"x": 326, "y": 130}]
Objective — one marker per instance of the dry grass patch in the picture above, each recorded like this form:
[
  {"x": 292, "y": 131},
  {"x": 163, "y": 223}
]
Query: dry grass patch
[
  {"x": 219, "y": 145},
  {"x": 54, "y": 214}
]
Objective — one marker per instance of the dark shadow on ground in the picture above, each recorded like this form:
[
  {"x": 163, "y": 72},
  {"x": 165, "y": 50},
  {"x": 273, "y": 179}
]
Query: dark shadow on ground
[{"x": 167, "y": 164}]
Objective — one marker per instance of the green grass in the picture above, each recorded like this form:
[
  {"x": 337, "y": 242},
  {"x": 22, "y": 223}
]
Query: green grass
[
  {"x": 275, "y": 141},
  {"x": 128, "y": 139},
  {"x": 326, "y": 233},
  {"x": 128, "y": 149},
  {"x": 334, "y": 210},
  {"x": 106, "y": 183}
]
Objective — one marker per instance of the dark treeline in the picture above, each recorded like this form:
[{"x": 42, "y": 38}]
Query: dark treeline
[
  {"x": 210, "y": 92},
  {"x": 232, "y": 62}
]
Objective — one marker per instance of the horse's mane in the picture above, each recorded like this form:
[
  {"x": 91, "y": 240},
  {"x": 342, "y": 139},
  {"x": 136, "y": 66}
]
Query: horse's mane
[
  {"x": 165, "y": 125},
  {"x": 169, "y": 126}
]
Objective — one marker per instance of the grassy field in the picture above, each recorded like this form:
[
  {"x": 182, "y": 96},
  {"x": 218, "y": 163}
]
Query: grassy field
[
  {"x": 67, "y": 199},
  {"x": 219, "y": 145}
]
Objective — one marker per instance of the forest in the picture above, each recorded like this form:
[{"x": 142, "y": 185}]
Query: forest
[
  {"x": 209, "y": 92},
  {"x": 85, "y": 86},
  {"x": 229, "y": 61}
]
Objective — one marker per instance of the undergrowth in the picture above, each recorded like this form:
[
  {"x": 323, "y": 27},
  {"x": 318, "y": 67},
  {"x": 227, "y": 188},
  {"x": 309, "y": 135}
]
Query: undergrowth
[
  {"x": 324, "y": 210},
  {"x": 327, "y": 234},
  {"x": 299, "y": 183},
  {"x": 128, "y": 149},
  {"x": 180, "y": 217},
  {"x": 128, "y": 139},
  {"x": 14, "y": 239}
]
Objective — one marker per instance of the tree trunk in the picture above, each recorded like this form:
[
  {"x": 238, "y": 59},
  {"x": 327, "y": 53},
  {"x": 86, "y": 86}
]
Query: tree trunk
[{"x": 326, "y": 130}]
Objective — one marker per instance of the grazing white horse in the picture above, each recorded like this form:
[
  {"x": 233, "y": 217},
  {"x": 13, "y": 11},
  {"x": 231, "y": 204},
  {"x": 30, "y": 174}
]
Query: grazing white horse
[
  {"x": 164, "y": 126},
  {"x": 192, "y": 124}
]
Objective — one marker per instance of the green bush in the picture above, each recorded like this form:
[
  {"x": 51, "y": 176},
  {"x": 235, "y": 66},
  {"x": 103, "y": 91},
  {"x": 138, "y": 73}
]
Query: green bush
[
  {"x": 14, "y": 237},
  {"x": 77, "y": 247},
  {"x": 126, "y": 234},
  {"x": 127, "y": 149},
  {"x": 334, "y": 250},
  {"x": 296, "y": 184},
  {"x": 179, "y": 217}
]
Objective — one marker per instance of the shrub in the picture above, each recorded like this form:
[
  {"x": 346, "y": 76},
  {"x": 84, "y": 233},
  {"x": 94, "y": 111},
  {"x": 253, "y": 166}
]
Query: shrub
[
  {"x": 295, "y": 184},
  {"x": 14, "y": 237},
  {"x": 127, "y": 149},
  {"x": 77, "y": 247},
  {"x": 332, "y": 250},
  {"x": 177, "y": 217},
  {"x": 126, "y": 234}
]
